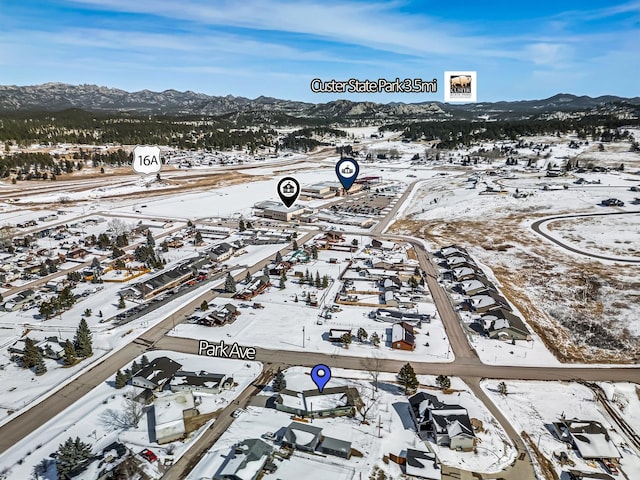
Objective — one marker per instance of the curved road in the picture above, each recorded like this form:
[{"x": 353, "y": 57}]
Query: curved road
[
  {"x": 466, "y": 364},
  {"x": 535, "y": 226}
]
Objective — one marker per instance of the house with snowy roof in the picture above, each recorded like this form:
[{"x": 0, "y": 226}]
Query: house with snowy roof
[
  {"x": 502, "y": 324},
  {"x": 156, "y": 374},
  {"x": 245, "y": 461},
  {"x": 421, "y": 464},
  {"x": 447, "y": 425}
]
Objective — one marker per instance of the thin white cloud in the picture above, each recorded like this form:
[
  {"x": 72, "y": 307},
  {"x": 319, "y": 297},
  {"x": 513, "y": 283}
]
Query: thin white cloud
[{"x": 372, "y": 25}]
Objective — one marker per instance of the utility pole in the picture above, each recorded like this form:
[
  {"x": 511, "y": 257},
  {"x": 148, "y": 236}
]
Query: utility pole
[
  {"x": 379, "y": 427},
  {"x": 302, "y": 337}
]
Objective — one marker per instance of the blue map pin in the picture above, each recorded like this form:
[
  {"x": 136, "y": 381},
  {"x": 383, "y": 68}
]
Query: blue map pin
[
  {"x": 320, "y": 374},
  {"x": 347, "y": 171}
]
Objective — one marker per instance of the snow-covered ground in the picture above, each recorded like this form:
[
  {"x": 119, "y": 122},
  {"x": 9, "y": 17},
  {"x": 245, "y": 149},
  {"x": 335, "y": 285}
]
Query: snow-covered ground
[
  {"x": 280, "y": 324},
  {"x": 532, "y": 407},
  {"x": 395, "y": 434},
  {"x": 544, "y": 281},
  {"x": 88, "y": 418}
]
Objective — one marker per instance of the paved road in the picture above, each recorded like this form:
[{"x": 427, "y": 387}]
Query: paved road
[
  {"x": 459, "y": 368},
  {"x": 536, "y": 228},
  {"x": 200, "y": 447},
  {"x": 522, "y": 468},
  {"x": 40, "y": 413}
]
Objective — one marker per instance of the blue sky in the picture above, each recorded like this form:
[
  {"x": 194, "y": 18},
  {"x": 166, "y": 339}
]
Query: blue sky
[{"x": 521, "y": 50}]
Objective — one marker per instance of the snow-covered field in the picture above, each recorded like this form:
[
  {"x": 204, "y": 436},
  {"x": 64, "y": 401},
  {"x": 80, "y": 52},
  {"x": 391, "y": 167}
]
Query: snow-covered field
[
  {"x": 88, "y": 419},
  {"x": 549, "y": 285},
  {"x": 593, "y": 234},
  {"x": 532, "y": 407}
]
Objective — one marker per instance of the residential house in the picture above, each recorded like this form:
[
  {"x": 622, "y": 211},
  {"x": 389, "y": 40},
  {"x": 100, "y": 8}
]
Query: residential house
[
  {"x": 258, "y": 285},
  {"x": 590, "y": 438},
  {"x": 335, "y": 447},
  {"x": 504, "y": 325},
  {"x": 448, "y": 425},
  {"x": 302, "y": 436},
  {"x": 331, "y": 402},
  {"x": 421, "y": 464},
  {"x": 453, "y": 250},
  {"x": 170, "y": 412},
  {"x": 221, "y": 252},
  {"x": 395, "y": 316},
  {"x": 201, "y": 381},
  {"x": 403, "y": 336},
  {"x": 475, "y": 285},
  {"x": 383, "y": 245},
  {"x": 488, "y": 300},
  {"x": 220, "y": 315},
  {"x": 155, "y": 375},
  {"x": 245, "y": 461},
  {"x": 463, "y": 273}
]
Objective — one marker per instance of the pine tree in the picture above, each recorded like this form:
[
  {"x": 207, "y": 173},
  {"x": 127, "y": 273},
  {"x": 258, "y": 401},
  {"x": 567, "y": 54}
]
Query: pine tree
[
  {"x": 346, "y": 339},
  {"x": 241, "y": 226},
  {"x": 41, "y": 368},
  {"x": 229, "y": 284},
  {"x": 362, "y": 334},
  {"x": 121, "y": 380},
  {"x": 318, "y": 281},
  {"x": 407, "y": 378},
  {"x": 307, "y": 277},
  {"x": 70, "y": 454},
  {"x": 295, "y": 299},
  {"x": 121, "y": 303},
  {"x": 248, "y": 278},
  {"x": 443, "y": 382},
  {"x": 144, "y": 361},
  {"x": 283, "y": 280},
  {"x": 135, "y": 367},
  {"x": 375, "y": 339},
  {"x": 265, "y": 271},
  {"x": 198, "y": 238},
  {"x": 314, "y": 252},
  {"x": 502, "y": 388},
  {"x": 82, "y": 340},
  {"x": 204, "y": 305},
  {"x": 294, "y": 245},
  {"x": 278, "y": 258},
  {"x": 150, "y": 240},
  {"x": 30, "y": 355},
  {"x": 279, "y": 382},
  {"x": 69, "y": 353},
  {"x": 325, "y": 281}
]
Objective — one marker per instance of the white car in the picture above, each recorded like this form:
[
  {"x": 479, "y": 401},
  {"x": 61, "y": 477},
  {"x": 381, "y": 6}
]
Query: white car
[{"x": 237, "y": 412}]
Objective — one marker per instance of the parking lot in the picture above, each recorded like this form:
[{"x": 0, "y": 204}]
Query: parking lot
[{"x": 370, "y": 205}]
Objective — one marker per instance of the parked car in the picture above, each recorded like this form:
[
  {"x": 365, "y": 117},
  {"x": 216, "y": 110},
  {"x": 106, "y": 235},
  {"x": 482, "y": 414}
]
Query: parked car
[
  {"x": 269, "y": 436},
  {"x": 149, "y": 455},
  {"x": 611, "y": 467},
  {"x": 237, "y": 412},
  {"x": 612, "y": 202}
]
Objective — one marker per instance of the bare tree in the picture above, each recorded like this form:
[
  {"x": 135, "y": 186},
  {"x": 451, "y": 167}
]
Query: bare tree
[
  {"x": 119, "y": 226},
  {"x": 368, "y": 400},
  {"x": 373, "y": 366},
  {"x": 128, "y": 417}
]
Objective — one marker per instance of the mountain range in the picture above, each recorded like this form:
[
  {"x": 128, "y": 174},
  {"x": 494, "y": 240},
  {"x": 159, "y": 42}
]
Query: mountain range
[{"x": 60, "y": 96}]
